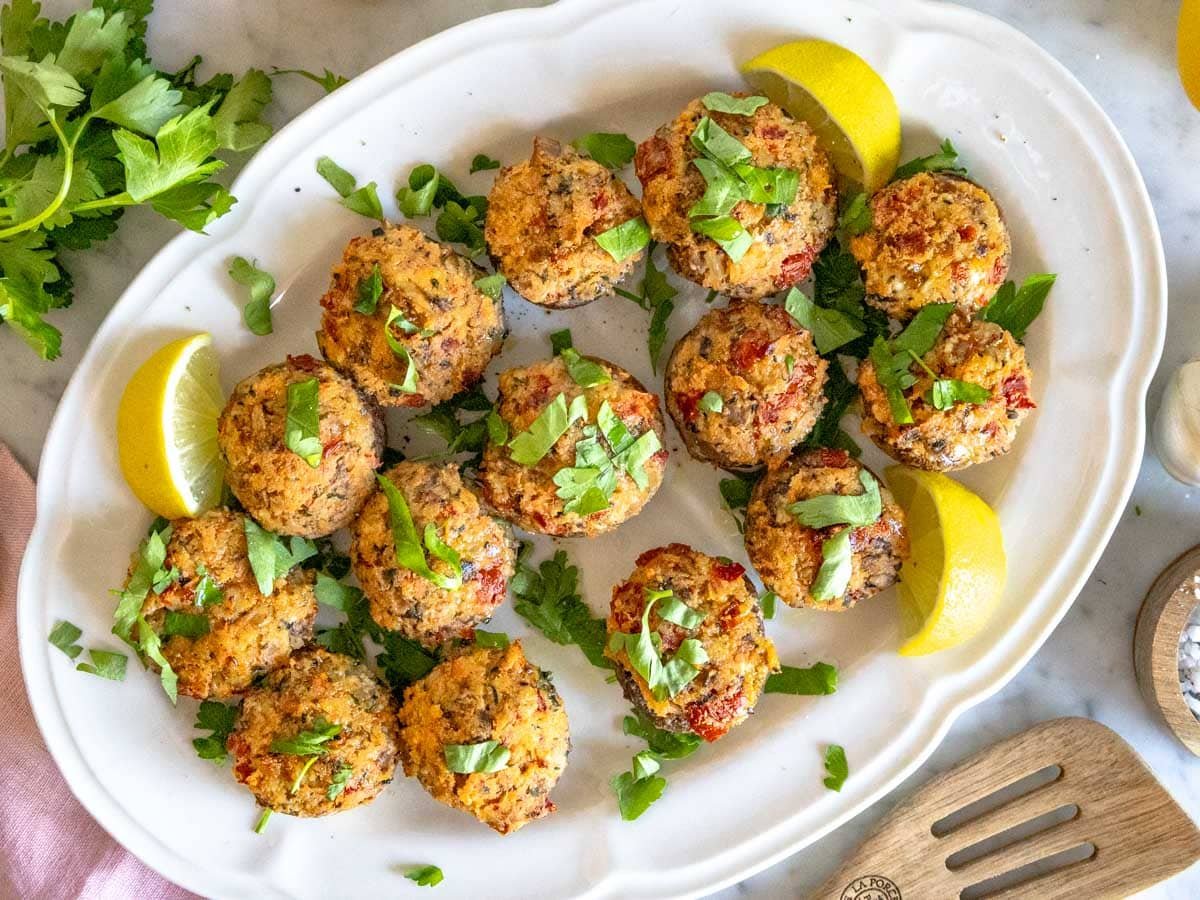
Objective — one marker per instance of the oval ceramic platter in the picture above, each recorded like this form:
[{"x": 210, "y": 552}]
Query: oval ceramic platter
[{"x": 1075, "y": 205}]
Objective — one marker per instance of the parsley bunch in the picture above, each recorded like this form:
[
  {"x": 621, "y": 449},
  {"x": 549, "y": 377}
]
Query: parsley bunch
[{"x": 91, "y": 128}]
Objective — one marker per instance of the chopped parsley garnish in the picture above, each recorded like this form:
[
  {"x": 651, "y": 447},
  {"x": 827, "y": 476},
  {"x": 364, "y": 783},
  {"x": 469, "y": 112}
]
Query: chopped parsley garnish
[
  {"x": 261, "y": 825},
  {"x": 63, "y": 635},
  {"x": 768, "y": 602},
  {"x": 128, "y": 622},
  {"x": 327, "y": 80},
  {"x": 183, "y": 624},
  {"x": 417, "y": 197},
  {"x": 657, "y": 298},
  {"x": 818, "y": 679},
  {"x": 482, "y": 163},
  {"x": 728, "y": 232},
  {"x": 836, "y": 567},
  {"x": 220, "y": 720},
  {"x": 836, "y": 766},
  {"x": 674, "y": 610},
  {"x": 588, "y": 486},
  {"x": 207, "y": 591},
  {"x": 548, "y": 599},
  {"x": 719, "y": 101},
  {"x": 271, "y": 556},
  {"x": 664, "y": 678},
  {"x": 105, "y": 664},
  {"x": 362, "y": 200},
  {"x": 308, "y": 741},
  {"x": 425, "y": 876},
  {"x": 485, "y": 756},
  {"x": 947, "y": 392},
  {"x": 492, "y": 285},
  {"x": 664, "y": 744},
  {"x": 718, "y": 144},
  {"x": 893, "y": 359},
  {"x": 408, "y": 546},
  {"x": 712, "y": 402},
  {"x": 637, "y": 789},
  {"x": 495, "y": 640},
  {"x": 302, "y": 432},
  {"x": 1014, "y": 309},
  {"x": 337, "y": 784},
  {"x": 613, "y": 151},
  {"x": 624, "y": 240},
  {"x": 841, "y": 509},
  {"x": 446, "y": 421},
  {"x": 497, "y": 428},
  {"x": 831, "y": 328},
  {"x": 584, "y": 372},
  {"x": 408, "y": 384},
  {"x": 856, "y": 217},
  {"x": 945, "y": 160},
  {"x": 736, "y": 491},
  {"x": 530, "y": 446},
  {"x": 260, "y": 285},
  {"x": 463, "y": 224},
  {"x": 370, "y": 289},
  {"x": 840, "y": 392}
]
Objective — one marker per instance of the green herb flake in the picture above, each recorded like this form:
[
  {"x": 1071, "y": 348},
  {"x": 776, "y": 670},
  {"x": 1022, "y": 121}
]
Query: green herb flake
[
  {"x": 768, "y": 602},
  {"x": 855, "y": 510},
  {"x": 302, "y": 431},
  {"x": 337, "y": 784},
  {"x": 308, "y": 741},
  {"x": 947, "y": 392},
  {"x": 548, "y": 599},
  {"x": 530, "y": 446},
  {"x": 664, "y": 744},
  {"x": 664, "y": 678},
  {"x": 836, "y": 567},
  {"x": 408, "y": 384},
  {"x": 362, "y": 200},
  {"x": 271, "y": 556},
  {"x": 462, "y": 224},
  {"x": 674, "y": 610},
  {"x": 494, "y": 640},
  {"x": 1015, "y": 309},
  {"x": 818, "y": 679},
  {"x": 728, "y": 233},
  {"x": 408, "y": 546},
  {"x": 831, "y": 328},
  {"x": 482, "y": 163},
  {"x": 64, "y": 635},
  {"x": 261, "y": 825},
  {"x": 624, "y": 240},
  {"x": 207, "y": 591},
  {"x": 105, "y": 664},
  {"x": 485, "y": 757},
  {"x": 425, "y": 876},
  {"x": 492, "y": 285},
  {"x": 219, "y": 719},
  {"x": 370, "y": 289},
  {"x": 856, "y": 217},
  {"x": 635, "y": 795},
  {"x": 719, "y": 101},
  {"x": 585, "y": 372},
  {"x": 712, "y": 402},
  {"x": 718, "y": 144},
  {"x": 257, "y": 311},
  {"x": 183, "y": 624},
  {"x": 613, "y": 151},
  {"x": 945, "y": 160},
  {"x": 836, "y": 766}
]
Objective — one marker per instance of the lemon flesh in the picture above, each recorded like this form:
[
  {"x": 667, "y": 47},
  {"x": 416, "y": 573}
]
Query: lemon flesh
[
  {"x": 167, "y": 429},
  {"x": 843, "y": 100},
  {"x": 954, "y": 578},
  {"x": 1189, "y": 49}
]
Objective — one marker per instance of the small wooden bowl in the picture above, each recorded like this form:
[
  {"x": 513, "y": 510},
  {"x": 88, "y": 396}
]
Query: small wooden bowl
[{"x": 1163, "y": 616}]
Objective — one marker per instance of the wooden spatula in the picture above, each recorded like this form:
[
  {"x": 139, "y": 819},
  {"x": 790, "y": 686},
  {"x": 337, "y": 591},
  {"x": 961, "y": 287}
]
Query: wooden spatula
[{"x": 1063, "y": 810}]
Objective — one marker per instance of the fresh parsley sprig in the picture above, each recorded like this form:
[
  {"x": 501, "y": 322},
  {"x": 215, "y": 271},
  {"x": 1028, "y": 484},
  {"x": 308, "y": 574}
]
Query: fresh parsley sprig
[
  {"x": 1014, "y": 309},
  {"x": 129, "y": 624},
  {"x": 220, "y": 720},
  {"x": 548, "y": 599},
  {"x": 327, "y": 80},
  {"x": 893, "y": 359},
  {"x": 945, "y": 160},
  {"x": 410, "y": 549},
  {"x": 658, "y": 299}
]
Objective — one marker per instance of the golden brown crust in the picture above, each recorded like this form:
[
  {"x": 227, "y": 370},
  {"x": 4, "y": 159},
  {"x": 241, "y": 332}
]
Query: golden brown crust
[
  {"x": 740, "y": 656},
  {"x": 543, "y": 217},
  {"x": 788, "y": 555},
  {"x": 249, "y": 634},
  {"x": 785, "y": 245},
  {"x": 980, "y": 353},
  {"x": 934, "y": 238},
  {"x": 769, "y": 377},
  {"x": 276, "y": 486},
  {"x": 487, "y": 695},
  {"x": 434, "y": 288},
  {"x": 527, "y": 495},
  {"x": 316, "y": 687},
  {"x": 404, "y": 601}
]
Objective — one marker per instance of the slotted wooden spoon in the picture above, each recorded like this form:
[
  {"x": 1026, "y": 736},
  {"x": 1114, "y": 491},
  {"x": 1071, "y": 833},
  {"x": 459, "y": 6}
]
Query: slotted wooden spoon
[{"x": 1063, "y": 810}]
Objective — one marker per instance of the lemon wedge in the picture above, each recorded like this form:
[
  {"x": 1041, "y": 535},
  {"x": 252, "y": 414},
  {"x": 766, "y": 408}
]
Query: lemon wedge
[
  {"x": 1189, "y": 49},
  {"x": 954, "y": 579},
  {"x": 843, "y": 100},
  {"x": 167, "y": 429}
]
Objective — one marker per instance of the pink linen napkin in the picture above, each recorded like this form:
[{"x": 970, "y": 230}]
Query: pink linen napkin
[{"x": 49, "y": 846}]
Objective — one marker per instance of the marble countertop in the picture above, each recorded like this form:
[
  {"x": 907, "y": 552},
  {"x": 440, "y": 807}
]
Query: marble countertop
[{"x": 1122, "y": 52}]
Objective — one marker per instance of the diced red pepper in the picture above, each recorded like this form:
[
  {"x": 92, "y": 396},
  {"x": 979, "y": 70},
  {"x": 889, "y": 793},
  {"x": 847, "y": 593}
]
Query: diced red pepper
[{"x": 651, "y": 159}]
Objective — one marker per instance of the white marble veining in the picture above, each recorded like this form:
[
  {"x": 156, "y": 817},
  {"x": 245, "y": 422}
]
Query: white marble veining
[{"x": 1123, "y": 53}]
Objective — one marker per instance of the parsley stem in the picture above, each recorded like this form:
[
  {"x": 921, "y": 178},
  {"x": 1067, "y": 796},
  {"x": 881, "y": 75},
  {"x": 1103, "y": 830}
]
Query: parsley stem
[
  {"x": 64, "y": 188},
  {"x": 121, "y": 199},
  {"x": 920, "y": 362}
]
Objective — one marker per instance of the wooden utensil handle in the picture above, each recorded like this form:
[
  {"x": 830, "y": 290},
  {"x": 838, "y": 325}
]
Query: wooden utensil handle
[{"x": 851, "y": 883}]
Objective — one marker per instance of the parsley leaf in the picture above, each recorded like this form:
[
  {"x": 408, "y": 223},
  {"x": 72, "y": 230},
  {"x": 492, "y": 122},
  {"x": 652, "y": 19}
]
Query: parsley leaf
[
  {"x": 719, "y": 101},
  {"x": 492, "y": 285},
  {"x": 462, "y": 224},
  {"x": 105, "y": 664},
  {"x": 337, "y": 784},
  {"x": 674, "y": 610},
  {"x": 613, "y": 151},
  {"x": 403, "y": 661},
  {"x": 736, "y": 491},
  {"x": 482, "y": 162},
  {"x": 257, "y": 312},
  {"x": 408, "y": 549},
  {"x": 712, "y": 402},
  {"x": 417, "y": 197},
  {"x": 836, "y": 567},
  {"x": 548, "y": 599},
  {"x": 665, "y": 678},
  {"x": 728, "y": 232},
  {"x": 370, "y": 289},
  {"x": 446, "y": 422},
  {"x": 945, "y": 160},
  {"x": 308, "y": 741},
  {"x": 271, "y": 556},
  {"x": 664, "y": 744},
  {"x": 856, "y": 217},
  {"x": 831, "y": 328},
  {"x": 893, "y": 359},
  {"x": 362, "y": 200},
  {"x": 207, "y": 591},
  {"x": 946, "y": 392},
  {"x": 302, "y": 432},
  {"x": 583, "y": 371},
  {"x": 657, "y": 298},
  {"x": 635, "y": 795},
  {"x": 840, "y": 392},
  {"x": 718, "y": 144},
  {"x": 836, "y": 766},
  {"x": 485, "y": 756},
  {"x": 425, "y": 876},
  {"x": 183, "y": 624},
  {"x": 841, "y": 509},
  {"x": 236, "y": 120},
  {"x": 64, "y": 635},
  {"x": 530, "y": 446},
  {"x": 408, "y": 384},
  {"x": 820, "y": 678},
  {"x": 220, "y": 720},
  {"x": 327, "y": 80},
  {"x": 496, "y": 640},
  {"x": 1015, "y": 309},
  {"x": 768, "y": 601},
  {"x": 624, "y": 240}
]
